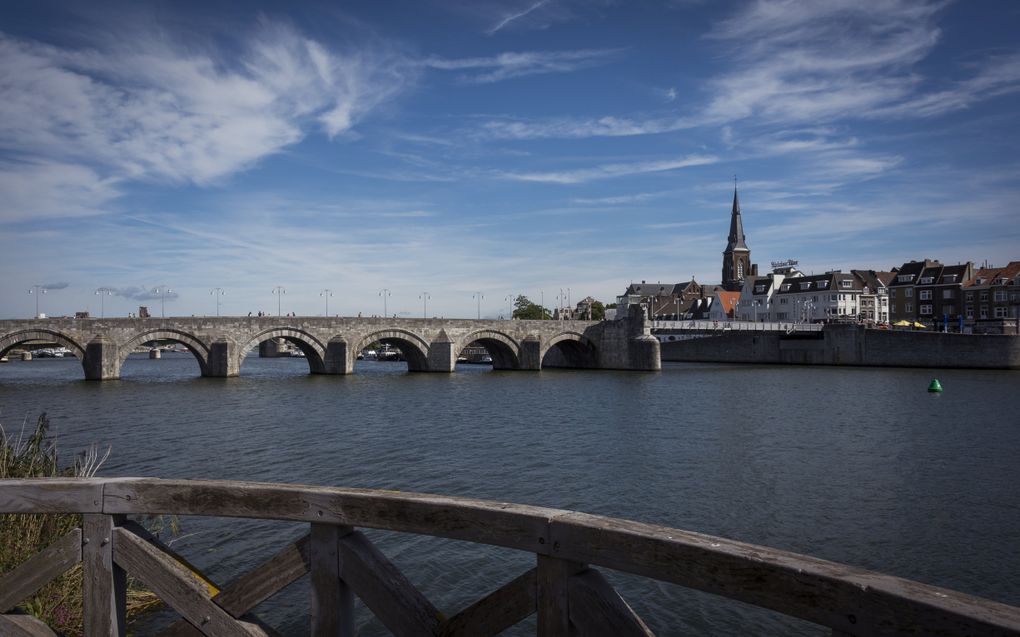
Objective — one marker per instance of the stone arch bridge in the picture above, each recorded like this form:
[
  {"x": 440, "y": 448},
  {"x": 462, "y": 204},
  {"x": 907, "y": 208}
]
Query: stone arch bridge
[{"x": 331, "y": 345}]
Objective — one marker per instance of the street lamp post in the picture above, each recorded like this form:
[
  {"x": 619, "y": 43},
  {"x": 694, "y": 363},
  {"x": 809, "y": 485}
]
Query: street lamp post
[
  {"x": 510, "y": 299},
  {"x": 162, "y": 292},
  {"x": 102, "y": 293},
  {"x": 542, "y": 292},
  {"x": 560, "y": 299},
  {"x": 325, "y": 294},
  {"x": 384, "y": 293},
  {"x": 424, "y": 296},
  {"x": 279, "y": 291},
  {"x": 217, "y": 292},
  {"x": 37, "y": 290},
  {"x": 479, "y": 296}
]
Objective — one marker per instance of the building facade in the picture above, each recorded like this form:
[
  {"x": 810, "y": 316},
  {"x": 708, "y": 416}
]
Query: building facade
[
  {"x": 929, "y": 292},
  {"x": 991, "y": 299}
]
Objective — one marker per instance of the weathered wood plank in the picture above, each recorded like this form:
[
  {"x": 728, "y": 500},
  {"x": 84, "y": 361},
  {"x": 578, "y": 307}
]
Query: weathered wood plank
[
  {"x": 51, "y": 495},
  {"x": 20, "y": 625},
  {"x": 255, "y": 586},
  {"x": 497, "y": 523},
  {"x": 176, "y": 585},
  {"x": 385, "y": 590},
  {"x": 104, "y": 584},
  {"x": 553, "y": 575},
  {"x": 38, "y": 570},
  {"x": 834, "y": 595},
  {"x": 332, "y": 603},
  {"x": 267, "y": 579},
  {"x": 597, "y": 610},
  {"x": 497, "y": 611}
]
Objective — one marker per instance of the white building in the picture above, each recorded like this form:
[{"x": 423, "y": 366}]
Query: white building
[{"x": 820, "y": 297}]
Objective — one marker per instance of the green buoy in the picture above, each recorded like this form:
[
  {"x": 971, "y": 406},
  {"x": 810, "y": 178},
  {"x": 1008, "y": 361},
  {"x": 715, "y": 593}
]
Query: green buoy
[{"x": 935, "y": 387}]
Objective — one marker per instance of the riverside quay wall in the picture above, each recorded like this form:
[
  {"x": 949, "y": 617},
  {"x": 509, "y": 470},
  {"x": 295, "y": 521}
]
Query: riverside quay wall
[{"x": 851, "y": 345}]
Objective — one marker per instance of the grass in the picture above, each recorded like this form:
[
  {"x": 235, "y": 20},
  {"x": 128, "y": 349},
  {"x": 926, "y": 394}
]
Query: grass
[{"x": 58, "y": 603}]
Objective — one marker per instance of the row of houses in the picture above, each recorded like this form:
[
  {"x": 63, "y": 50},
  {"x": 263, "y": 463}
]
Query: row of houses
[{"x": 929, "y": 293}]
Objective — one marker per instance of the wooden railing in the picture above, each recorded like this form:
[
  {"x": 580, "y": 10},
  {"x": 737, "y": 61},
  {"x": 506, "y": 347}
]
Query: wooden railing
[{"x": 568, "y": 595}]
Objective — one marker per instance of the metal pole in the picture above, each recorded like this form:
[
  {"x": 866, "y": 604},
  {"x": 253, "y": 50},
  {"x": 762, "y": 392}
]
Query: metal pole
[
  {"x": 424, "y": 296},
  {"x": 279, "y": 291},
  {"x": 384, "y": 293},
  {"x": 37, "y": 290},
  {"x": 543, "y": 304},
  {"x": 217, "y": 292},
  {"x": 326, "y": 294},
  {"x": 102, "y": 293},
  {"x": 479, "y": 296}
]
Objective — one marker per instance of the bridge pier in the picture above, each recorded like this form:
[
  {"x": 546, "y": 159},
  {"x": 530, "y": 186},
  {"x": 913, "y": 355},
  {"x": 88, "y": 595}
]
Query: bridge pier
[
  {"x": 223, "y": 360},
  {"x": 530, "y": 355},
  {"x": 339, "y": 358},
  {"x": 102, "y": 359},
  {"x": 442, "y": 357}
]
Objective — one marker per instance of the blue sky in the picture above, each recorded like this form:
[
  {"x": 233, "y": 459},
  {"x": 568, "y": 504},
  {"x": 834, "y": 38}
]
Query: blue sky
[{"x": 500, "y": 147}]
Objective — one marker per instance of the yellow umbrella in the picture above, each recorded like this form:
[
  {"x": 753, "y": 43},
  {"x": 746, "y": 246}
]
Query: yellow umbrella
[
  {"x": 903, "y": 323},
  {"x": 920, "y": 325}
]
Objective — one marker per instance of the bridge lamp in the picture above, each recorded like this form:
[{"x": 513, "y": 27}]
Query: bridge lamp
[
  {"x": 325, "y": 294},
  {"x": 384, "y": 293},
  {"x": 279, "y": 292},
  {"x": 37, "y": 290},
  {"x": 162, "y": 292},
  {"x": 479, "y": 296},
  {"x": 102, "y": 293},
  {"x": 510, "y": 299},
  {"x": 218, "y": 292},
  {"x": 424, "y": 296}
]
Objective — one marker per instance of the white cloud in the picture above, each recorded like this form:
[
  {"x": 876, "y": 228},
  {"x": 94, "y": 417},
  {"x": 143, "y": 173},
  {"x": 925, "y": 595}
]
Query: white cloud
[
  {"x": 611, "y": 170},
  {"x": 142, "y": 109},
  {"x": 570, "y": 127},
  {"x": 516, "y": 15},
  {"x": 518, "y": 64},
  {"x": 33, "y": 189}
]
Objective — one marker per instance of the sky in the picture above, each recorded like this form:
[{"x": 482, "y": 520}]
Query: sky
[{"x": 451, "y": 149}]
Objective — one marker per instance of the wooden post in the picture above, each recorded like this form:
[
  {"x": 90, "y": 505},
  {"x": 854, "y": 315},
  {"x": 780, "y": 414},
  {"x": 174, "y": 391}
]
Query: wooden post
[
  {"x": 553, "y": 600},
  {"x": 332, "y": 603},
  {"x": 104, "y": 585}
]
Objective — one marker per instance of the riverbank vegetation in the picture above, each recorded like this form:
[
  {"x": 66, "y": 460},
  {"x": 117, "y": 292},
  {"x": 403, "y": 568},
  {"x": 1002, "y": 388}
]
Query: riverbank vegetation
[{"x": 33, "y": 454}]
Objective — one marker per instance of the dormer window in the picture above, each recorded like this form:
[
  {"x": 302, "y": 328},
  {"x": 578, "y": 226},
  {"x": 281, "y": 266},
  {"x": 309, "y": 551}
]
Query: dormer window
[
  {"x": 786, "y": 287},
  {"x": 758, "y": 289},
  {"x": 823, "y": 284},
  {"x": 805, "y": 286},
  {"x": 846, "y": 283},
  {"x": 925, "y": 280},
  {"x": 905, "y": 278}
]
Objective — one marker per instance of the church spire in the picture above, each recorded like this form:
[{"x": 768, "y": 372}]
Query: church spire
[{"x": 736, "y": 239}]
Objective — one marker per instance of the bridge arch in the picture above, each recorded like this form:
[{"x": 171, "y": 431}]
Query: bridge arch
[
  {"x": 502, "y": 348},
  {"x": 13, "y": 339},
  {"x": 413, "y": 347},
  {"x": 196, "y": 346},
  {"x": 311, "y": 347},
  {"x": 569, "y": 349}
]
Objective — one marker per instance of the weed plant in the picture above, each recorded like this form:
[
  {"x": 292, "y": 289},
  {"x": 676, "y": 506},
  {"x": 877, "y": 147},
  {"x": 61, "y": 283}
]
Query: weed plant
[{"x": 58, "y": 603}]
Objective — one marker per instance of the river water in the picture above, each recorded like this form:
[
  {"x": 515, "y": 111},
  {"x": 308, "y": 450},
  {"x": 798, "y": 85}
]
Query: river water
[{"x": 856, "y": 465}]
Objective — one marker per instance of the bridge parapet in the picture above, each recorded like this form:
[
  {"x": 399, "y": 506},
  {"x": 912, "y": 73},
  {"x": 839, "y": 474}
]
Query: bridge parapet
[{"x": 331, "y": 345}]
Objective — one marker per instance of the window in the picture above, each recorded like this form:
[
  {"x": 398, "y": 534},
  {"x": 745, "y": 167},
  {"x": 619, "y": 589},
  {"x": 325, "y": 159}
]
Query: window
[
  {"x": 984, "y": 312},
  {"x": 905, "y": 278},
  {"x": 759, "y": 289},
  {"x": 740, "y": 269},
  {"x": 786, "y": 286},
  {"x": 926, "y": 310},
  {"x": 948, "y": 293},
  {"x": 949, "y": 278},
  {"x": 833, "y": 297},
  {"x": 909, "y": 293},
  {"x": 783, "y": 301},
  {"x": 925, "y": 295},
  {"x": 908, "y": 308},
  {"x": 892, "y": 293},
  {"x": 925, "y": 280},
  {"x": 823, "y": 284},
  {"x": 846, "y": 283},
  {"x": 1000, "y": 312},
  {"x": 970, "y": 297},
  {"x": 805, "y": 286},
  {"x": 970, "y": 313},
  {"x": 949, "y": 309},
  {"x": 1000, "y": 295},
  {"x": 984, "y": 295}
]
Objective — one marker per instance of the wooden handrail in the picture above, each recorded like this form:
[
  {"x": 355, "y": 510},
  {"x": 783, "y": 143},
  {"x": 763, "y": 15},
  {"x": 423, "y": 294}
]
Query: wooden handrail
[{"x": 846, "y": 599}]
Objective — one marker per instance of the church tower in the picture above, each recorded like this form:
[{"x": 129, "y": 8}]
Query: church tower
[{"x": 737, "y": 257}]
